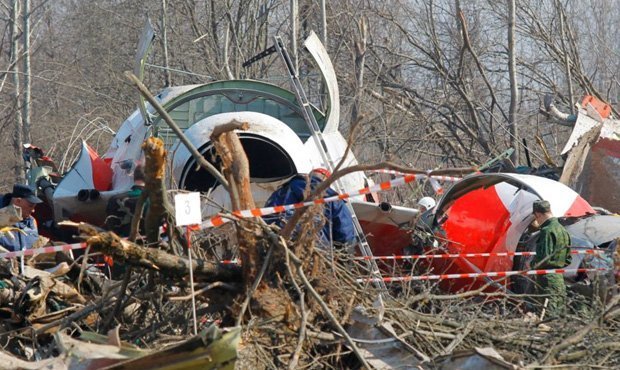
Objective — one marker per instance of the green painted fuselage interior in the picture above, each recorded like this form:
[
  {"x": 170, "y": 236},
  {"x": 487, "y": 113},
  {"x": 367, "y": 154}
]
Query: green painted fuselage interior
[
  {"x": 235, "y": 96},
  {"x": 268, "y": 160}
]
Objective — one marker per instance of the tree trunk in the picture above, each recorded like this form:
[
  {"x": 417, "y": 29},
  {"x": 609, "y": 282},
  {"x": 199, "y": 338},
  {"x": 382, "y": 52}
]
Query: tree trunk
[
  {"x": 164, "y": 41},
  {"x": 157, "y": 259},
  {"x": 18, "y": 139},
  {"x": 294, "y": 9},
  {"x": 323, "y": 23},
  {"x": 27, "y": 78},
  {"x": 567, "y": 61},
  {"x": 360, "y": 58},
  {"x": 514, "y": 91}
]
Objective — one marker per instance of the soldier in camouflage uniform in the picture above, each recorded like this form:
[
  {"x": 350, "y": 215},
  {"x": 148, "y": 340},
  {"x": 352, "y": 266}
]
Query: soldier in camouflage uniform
[{"x": 552, "y": 252}]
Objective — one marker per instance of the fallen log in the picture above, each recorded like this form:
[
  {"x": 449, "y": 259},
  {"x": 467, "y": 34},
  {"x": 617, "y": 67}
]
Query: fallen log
[{"x": 157, "y": 259}]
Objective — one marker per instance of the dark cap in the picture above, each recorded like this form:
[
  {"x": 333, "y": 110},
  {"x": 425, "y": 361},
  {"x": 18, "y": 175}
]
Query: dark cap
[
  {"x": 24, "y": 192},
  {"x": 541, "y": 206}
]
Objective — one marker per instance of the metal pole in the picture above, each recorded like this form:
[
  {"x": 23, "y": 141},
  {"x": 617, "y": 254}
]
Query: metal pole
[
  {"x": 191, "y": 279},
  {"x": 317, "y": 136}
]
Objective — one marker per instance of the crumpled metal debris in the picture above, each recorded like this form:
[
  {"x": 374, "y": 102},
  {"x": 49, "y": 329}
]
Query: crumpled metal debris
[
  {"x": 380, "y": 345},
  {"x": 474, "y": 359},
  {"x": 211, "y": 349}
]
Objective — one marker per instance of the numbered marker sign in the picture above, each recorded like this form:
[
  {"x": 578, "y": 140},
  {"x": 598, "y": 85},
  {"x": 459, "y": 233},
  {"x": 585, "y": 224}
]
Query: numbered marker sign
[{"x": 187, "y": 209}]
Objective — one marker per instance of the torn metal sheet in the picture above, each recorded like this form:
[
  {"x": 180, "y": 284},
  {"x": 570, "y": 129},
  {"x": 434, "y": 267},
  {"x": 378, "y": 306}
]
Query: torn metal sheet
[
  {"x": 601, "y": 172},
  {"x": 474, "y": 359},
  {"x": 583, "y": 125},
  {"x": 576, "y": 159},
  {"x": 380, "y": 346},
  {"x": 593, "y": 157},
  {"x": 10, "y": 362},
  {"x": 93, "y": 177},
  {"x": 319, "y": 53},
  {"x": 212, "y": 349},
  {"x": 598, "y": 229},
  {"x": 144, "y": 46},
  {"x": 387, "y": 227}
]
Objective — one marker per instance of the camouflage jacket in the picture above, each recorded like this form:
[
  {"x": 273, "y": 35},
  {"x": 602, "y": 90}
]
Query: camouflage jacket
[{"x": 552, "y": 246}]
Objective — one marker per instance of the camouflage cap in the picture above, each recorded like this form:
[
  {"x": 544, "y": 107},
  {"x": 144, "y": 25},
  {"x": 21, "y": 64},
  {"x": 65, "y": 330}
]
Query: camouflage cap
[{"x": 541, "y": 206}]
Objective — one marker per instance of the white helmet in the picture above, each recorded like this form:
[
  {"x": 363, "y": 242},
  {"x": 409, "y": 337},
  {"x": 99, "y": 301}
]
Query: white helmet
[{"x": 427, "y": 203}]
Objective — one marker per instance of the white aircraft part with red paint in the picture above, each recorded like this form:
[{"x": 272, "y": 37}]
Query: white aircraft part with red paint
[
  {"x": 488, "y": 213},
  {"x": 484, "y": 213},
  {"x": 89, "y": 172}
]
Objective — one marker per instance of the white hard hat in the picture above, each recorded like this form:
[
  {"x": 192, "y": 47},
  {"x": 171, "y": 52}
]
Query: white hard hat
[{"x": 427, "y": 202}]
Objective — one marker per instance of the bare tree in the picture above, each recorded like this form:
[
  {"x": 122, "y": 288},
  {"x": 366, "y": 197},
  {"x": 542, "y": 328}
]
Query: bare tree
[
  {"x": 437, "y": 81},
  {"x": 26, "y": 107},
  {"x": 164, "y": 43},
  {"x": 14, "y": 69},
  {"x": 514, "y": 91}
]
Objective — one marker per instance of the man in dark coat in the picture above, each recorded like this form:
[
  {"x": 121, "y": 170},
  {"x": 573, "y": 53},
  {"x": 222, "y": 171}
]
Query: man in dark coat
[{"x": 339, "y": 224}]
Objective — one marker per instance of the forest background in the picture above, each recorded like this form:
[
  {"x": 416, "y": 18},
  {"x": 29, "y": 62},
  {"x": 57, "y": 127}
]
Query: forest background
[{"x": 432, "y": 83}]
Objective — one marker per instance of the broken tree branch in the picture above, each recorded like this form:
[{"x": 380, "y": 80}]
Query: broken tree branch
[
  {"x": 326, "y": 309},
  {"x": 236, "y": 169},
  {"x": 156, "y": 259},
  {"x": 290, "y": 224},
  {"x": 154, "y": 173}
]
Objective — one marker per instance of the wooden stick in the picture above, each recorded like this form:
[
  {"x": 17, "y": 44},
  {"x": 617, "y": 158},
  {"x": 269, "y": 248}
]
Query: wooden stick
[{"x": 71, "y": 318}]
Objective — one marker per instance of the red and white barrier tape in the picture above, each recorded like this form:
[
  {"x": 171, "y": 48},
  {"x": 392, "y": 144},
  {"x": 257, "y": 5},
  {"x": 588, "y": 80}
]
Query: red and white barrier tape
[
  {"x": 258, "y": 212},
  {"x": 470, "y": 255},
  {"x": 477, "y": 275},
  {"x": 436, "y": 186},
  {"x": 436, "y": 177},
  {"x": 36, "y": 251},
  {"x": 230, "y": 262}
]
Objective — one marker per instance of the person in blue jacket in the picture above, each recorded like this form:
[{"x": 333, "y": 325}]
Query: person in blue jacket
[
  {"x": 24, "y": 233},
  {"x": 338, "y": 225}
]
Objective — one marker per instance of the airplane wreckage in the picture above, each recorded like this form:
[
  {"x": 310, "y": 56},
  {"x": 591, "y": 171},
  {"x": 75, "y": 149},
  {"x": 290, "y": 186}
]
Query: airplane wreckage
[
  {"x": 481, "y": 213},
  {"x": 485, "y": 213}
]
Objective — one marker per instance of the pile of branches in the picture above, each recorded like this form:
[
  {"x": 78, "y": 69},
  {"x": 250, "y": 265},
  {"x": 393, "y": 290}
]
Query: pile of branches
[
  {"x": 300, "y": 310},
  {"x": 435, "y": 326},
  {"x": 299, "y": 303}
]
